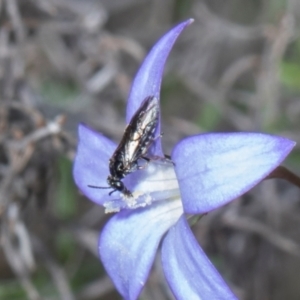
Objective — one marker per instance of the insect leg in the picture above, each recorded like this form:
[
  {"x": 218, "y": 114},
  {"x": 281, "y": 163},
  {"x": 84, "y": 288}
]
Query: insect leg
[
  {"x": 157, "y": 137},
  {"x": 168, "y": 159},
  {"x": 112, "y": 192},
  {"x": 145, "y": 165},
  {"x": 165, "y": 158}
]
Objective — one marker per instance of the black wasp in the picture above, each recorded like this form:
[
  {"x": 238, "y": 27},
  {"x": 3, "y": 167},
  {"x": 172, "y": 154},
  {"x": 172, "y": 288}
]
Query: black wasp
[{"x": 135, "y": 143}]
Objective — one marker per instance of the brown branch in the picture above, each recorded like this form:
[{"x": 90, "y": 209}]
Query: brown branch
[{"x": 282, "y": 172}]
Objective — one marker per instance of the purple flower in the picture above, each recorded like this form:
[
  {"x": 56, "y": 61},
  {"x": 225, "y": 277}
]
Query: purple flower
[{"x": 209, "y": 171}]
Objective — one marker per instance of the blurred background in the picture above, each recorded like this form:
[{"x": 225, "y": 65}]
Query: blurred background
[{"x": 236, "y": 68}]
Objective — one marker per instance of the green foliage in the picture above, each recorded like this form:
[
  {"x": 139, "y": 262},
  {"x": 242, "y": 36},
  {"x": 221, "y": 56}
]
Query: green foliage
[
  {"x": 290, "y": 67},
  {"x": 293, "y": 160},
  {"x": 209, "y": 117},
  {"x": 89, "y": 270},
  {"x": 290, "y": 75},
  {"x": 44, "y": 285},
  {"x": 65, "y": 204},
  {"x": 65, "y": 245},
  {"x": 59, "y": 92},
  {"x": 182, "y": 9},
  {"x": 11, "y": 290}
]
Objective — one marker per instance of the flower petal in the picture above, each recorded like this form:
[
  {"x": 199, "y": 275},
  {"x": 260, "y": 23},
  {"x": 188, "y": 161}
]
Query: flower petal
[
  {"x": 148, "y": 79},
  {"x": 129, "y": 241},
  {"x": 91, "y": 163},
  {"x": 188, "y": 270},
  {"x": 213, "y": 169}
]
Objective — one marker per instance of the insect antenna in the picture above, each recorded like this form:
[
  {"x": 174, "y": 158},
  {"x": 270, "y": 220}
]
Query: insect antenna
[{"x": 99, "y": 187}]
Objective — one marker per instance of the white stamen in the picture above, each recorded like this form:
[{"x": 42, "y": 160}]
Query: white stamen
[{"x": 157, "y": 182}]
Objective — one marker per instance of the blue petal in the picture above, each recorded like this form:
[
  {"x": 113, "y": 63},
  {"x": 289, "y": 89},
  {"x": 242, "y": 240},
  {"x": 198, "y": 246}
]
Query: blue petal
[
  {"x": 147, "y": 81},
  {"x": 129, "y": 242},
  {"x": 91, "y": 163},
  {"x": 213, "y": 169},
  {"x": 188, "y": 270}
]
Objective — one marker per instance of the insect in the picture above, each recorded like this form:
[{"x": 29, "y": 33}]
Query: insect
[{"x": 135, "y": 143}]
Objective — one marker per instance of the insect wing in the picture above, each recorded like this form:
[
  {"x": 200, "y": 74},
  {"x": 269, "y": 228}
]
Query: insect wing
[
  {"x": 137, "y": 139},
  {"x": 142, "y": 130}
]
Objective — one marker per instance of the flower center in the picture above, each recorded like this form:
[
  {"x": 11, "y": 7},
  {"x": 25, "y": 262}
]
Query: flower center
[{"x": 156, "y": 182}]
